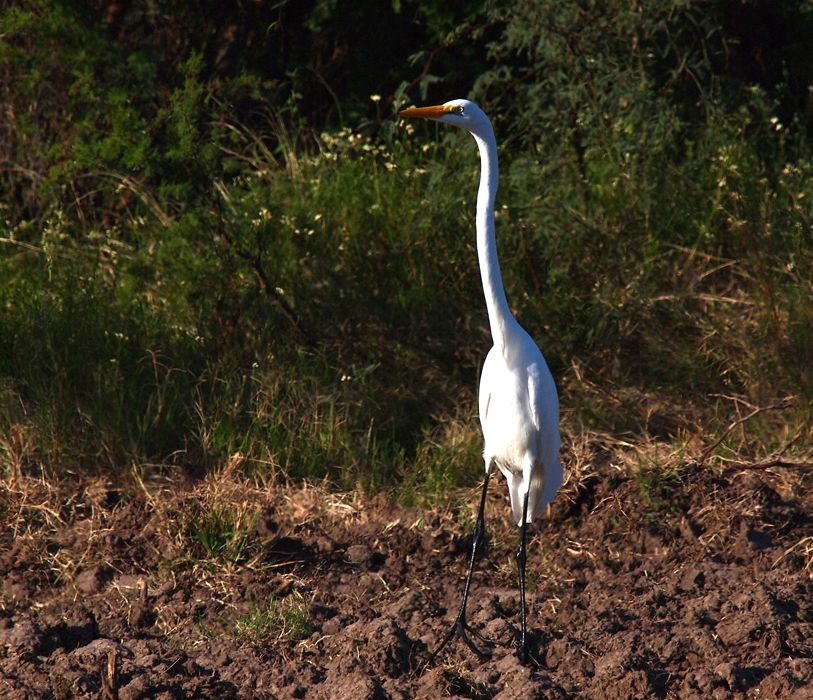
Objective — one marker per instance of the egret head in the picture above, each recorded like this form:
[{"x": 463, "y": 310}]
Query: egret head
[{"x": 455, "y": 112}]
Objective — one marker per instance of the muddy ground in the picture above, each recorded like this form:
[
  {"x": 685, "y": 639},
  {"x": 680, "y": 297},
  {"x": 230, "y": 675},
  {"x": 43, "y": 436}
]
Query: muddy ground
[{"x": 644, "y": 583}]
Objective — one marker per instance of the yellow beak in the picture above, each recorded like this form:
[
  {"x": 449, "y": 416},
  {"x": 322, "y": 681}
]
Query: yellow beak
[{"x": 433, "y": 112}]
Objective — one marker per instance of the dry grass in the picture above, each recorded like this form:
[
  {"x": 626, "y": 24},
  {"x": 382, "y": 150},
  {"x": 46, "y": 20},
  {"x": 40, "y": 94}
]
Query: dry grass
[{"x": 213, "y": 528}]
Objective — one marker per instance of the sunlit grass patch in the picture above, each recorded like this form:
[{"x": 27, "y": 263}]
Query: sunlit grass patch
[
  {"x": 221, "y": 532},
  {"x": 278, "y": 619}
]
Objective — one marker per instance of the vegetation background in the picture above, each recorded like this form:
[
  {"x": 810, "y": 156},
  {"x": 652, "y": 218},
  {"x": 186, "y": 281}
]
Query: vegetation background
[{"x": 218, "y": 243}]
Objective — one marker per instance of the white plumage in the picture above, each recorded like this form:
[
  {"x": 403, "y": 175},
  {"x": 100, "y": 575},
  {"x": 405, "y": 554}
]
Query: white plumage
[{"x": 519, "y": 406}]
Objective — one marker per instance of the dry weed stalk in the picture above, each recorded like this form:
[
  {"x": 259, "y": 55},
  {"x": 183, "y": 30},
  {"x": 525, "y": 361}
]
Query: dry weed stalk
[
  {"x": 755, "y": 411},
  {"x": 16, "y": 447},
  {"x": 803, "y": 548},
  {"x": 110, "y": 689}
]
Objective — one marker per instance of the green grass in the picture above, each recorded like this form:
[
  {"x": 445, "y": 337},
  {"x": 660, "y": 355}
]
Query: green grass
[
  {"x": 285, "y": 619},
  {"x": 660, "y": 492},
  {"x": 221, "y": 534},
  {"x": 124, "y": 368},
  {"x": 199, "y": 272}
]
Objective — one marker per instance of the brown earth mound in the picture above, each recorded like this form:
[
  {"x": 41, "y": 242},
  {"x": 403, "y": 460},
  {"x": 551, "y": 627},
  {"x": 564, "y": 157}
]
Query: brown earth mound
[{"x": 643, "y": 584}]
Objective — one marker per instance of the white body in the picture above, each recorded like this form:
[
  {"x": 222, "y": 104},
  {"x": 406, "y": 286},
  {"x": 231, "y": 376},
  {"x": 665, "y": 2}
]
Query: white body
[
  {"x": 519, "y": 414},
  {"x": 519, "y": 406}
]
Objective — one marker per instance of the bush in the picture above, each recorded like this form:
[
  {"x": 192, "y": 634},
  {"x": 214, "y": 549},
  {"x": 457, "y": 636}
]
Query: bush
[{"x": 214, "y": 241}]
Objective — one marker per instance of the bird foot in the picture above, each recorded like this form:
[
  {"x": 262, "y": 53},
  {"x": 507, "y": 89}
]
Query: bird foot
[
  {"x": 526, "y": 658},
  {"x": 465, "y": 631}
]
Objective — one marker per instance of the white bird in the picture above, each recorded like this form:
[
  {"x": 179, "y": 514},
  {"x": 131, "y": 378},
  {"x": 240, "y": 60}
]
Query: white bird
[{"x": 519, "y": 406}]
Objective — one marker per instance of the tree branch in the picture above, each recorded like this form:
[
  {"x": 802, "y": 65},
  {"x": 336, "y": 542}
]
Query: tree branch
[{"x": 270, "y": 290}]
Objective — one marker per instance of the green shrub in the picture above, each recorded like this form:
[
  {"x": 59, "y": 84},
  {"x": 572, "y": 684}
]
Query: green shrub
[{"x": 211, "y": 242}]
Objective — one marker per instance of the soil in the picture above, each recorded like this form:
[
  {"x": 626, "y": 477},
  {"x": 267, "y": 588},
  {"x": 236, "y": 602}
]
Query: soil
[{"x": 696, "y": 584}]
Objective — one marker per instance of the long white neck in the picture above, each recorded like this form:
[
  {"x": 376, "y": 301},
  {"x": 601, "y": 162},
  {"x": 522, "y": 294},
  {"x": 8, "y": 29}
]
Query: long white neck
[{"x": 500, "y": 317}]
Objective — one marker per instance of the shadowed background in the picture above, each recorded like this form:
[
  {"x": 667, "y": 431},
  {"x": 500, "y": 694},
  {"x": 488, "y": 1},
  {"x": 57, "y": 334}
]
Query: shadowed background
[{"x": 216, "y": 238}]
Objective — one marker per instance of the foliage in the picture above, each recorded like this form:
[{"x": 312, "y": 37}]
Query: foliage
[
  {"x": 658, "y": 191},
  {"x": 216, "y": 240}
]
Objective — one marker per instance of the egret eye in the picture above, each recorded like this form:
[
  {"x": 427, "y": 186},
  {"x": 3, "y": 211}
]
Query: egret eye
[{"x": 460, "y": 109}]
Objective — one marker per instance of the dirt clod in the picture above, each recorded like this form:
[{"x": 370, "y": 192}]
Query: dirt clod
[{"x": 335, "y": 596}]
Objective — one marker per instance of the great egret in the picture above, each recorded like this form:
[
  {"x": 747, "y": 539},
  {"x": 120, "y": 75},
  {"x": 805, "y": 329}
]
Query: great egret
[{"x": 519, "y": 407}]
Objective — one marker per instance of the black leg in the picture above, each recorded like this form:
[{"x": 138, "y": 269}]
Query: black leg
[
  {"x": 460, "y": 626},
  {"x": 522, "y": 650}
]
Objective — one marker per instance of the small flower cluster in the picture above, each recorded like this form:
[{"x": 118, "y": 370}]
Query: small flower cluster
[{"x": 345, "y": 143}]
